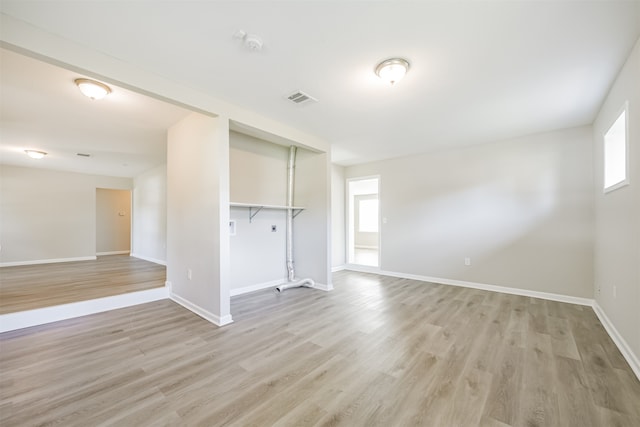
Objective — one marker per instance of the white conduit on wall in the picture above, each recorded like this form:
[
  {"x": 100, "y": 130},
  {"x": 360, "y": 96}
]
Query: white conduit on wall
[{"x": 291, "y": 276}]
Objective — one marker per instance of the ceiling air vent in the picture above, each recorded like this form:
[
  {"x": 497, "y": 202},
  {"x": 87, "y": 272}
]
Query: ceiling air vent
[{"x": 300, "y": 98}]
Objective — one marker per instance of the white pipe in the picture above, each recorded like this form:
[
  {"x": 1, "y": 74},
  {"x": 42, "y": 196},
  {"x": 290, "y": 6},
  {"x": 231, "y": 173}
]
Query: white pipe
[
  {"x": 291, "y": 167},
  {"x": 291, "y": 276},
  {"x": 307, "y": 283}
]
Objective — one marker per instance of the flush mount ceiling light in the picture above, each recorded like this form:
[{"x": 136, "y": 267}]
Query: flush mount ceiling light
[
  {"x": 92, "y": 89},
  {"x": 34, "y": 154},
  {"x": 392, "y": 70}
]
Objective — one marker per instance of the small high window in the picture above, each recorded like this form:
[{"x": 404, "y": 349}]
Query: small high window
[{"x": 615, "y": 154}]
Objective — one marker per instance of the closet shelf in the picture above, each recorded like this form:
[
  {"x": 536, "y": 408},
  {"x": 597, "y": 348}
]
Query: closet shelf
[{"x": 254, "y": 208}]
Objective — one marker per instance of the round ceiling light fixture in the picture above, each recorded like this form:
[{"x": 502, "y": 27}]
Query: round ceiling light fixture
[
  {"x": 35, "y": 154},
  {"x": 392, "y": 70},
  {"x": 92, "y": 89}
]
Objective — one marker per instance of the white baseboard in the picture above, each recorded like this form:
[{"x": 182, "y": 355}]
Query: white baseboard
[
  {"x": 364, "y": 269},
  {"x": 46, "y": 261},
  {"x": 323, "y": 287},
  {"x": 494, "y": 288},
  {"x": 207, "y": 315},
  {"x": 252, "y": 288},
  {"x": 338, "y": 268},
  {"x": 112, "y": 253},
  {"x": 146, "y": 258},
  {"x": 40, "y": 316},
  {"x": 624, "y": 348}
]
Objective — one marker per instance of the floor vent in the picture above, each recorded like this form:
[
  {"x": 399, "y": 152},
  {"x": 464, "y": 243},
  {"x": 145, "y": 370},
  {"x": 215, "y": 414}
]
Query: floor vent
[{"x": 299, "y": 97}]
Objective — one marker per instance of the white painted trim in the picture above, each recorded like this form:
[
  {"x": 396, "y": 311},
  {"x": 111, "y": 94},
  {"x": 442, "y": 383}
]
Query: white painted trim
[
  {"x": 259, "y": 286},
  {"x": 47, "y": 261},
  {"x": 364, "y": 269},
  {"x": 338, "y": 268},
  {"x": 112, "y": 253},
  {"x": 146, "y": 258},
  {"x": 494, "y": 288},
  {"x": 620, "y": 342},
  {"x": 40, "y": 316},
  {"x": 207, "y": 315},
  {"x": 323, "y": 287},
  {"x": 365, "y": 247}
]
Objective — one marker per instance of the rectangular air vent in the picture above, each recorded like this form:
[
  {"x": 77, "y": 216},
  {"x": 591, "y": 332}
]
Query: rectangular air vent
[{"x": 299, "y": 97}]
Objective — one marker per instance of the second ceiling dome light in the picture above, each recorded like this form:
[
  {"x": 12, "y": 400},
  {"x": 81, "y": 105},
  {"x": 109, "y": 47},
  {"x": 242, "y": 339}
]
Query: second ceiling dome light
[{"x": 392, "y": 70}]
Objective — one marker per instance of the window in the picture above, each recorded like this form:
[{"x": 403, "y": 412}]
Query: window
[
  {"x": 368, "y": 216},
  {"x": 615, "y": 154}
]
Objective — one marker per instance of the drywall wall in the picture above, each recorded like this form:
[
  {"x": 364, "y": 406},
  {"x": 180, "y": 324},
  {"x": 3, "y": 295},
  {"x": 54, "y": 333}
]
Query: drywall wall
[
  {"x": 338, "y": 244},
  {"x": 522, "y": 210},
  {"x": 258, "y": 170},
  {"x": 198, "y": 215},
  {"x": 257, "y": 175},
  {"x": 312, "y": 250},
  {"x": 49, "y": 215},
  {"x": 617, "y": 236},
  {"x": 113, "y": 221},
  {"x": 257, "y": 254},
  {"x": 149, "y": 228}
]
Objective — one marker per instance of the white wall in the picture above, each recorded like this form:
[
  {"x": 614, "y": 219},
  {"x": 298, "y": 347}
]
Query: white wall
[
  {"x": 522, "y": 210},
  {"x": 198, "y": 215},
  {"x": 49, "y": 215},
  {"x": 617, "y": 237},
  {"x": 113, "y": 221},
  {"x": 338, "y": 232},
  {"x": 312, "y": 250},
  {"x": 258, "y": 170},
  {"x": 150, "y": 215},
  {"x": 258, "y": 175}
]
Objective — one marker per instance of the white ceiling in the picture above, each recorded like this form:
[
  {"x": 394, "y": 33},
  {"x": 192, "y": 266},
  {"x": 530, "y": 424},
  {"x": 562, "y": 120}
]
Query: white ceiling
[
  {"x": 42, "y": 109},
  {"x": 480, "y": 71}
]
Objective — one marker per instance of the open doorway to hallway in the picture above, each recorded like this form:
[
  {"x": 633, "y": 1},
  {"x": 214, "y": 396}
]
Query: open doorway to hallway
[
  {"x": 363, "y": 234},
  {"x": 113, "y": 221}
]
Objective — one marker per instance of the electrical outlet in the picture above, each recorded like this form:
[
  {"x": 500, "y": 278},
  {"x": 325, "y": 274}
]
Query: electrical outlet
[
  {"x": 467, "y": 261},
  {"x": 189, "y": 273},
  {"x": 274, "y": 228}
]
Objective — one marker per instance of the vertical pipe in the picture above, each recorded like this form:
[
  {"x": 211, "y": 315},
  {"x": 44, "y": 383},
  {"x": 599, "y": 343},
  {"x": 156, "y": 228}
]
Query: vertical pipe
[
  {"x": 292, "y": 282},
  {"x": 290, "y": 187}
]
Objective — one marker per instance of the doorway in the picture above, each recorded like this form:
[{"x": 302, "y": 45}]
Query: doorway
[
  {"x": 113, "y": 221},
  {"x": 363, "y": 238}
]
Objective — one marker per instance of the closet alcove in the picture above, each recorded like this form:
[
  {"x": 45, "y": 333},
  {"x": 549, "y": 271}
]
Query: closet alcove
[{"x": 257, "y": 213}]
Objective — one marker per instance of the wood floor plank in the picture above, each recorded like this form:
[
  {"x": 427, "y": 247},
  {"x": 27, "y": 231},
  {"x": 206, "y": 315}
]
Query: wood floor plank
[
  {"x": 29, "y": 287},
  {"x": 539, "y": 404},
  {"x": 376, "y": 351}
]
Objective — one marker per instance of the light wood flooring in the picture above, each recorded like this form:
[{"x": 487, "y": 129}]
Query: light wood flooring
[
  {"x": 376, "y": 351},
  {"x": 29, "y": 287}
]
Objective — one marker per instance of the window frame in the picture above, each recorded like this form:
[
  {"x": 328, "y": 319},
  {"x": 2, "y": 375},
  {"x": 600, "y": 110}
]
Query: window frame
[{"x": 623, "y": 110}]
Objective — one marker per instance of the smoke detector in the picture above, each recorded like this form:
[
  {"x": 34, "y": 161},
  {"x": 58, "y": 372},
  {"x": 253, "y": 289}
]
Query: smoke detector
[
  {"x": 253, "y": 42},
  {"x": 299, "y": 98}
]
